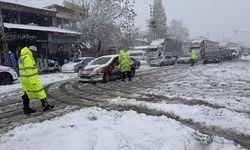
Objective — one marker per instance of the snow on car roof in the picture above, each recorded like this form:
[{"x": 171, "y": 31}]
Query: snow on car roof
[{"x": 109, "y": 56}]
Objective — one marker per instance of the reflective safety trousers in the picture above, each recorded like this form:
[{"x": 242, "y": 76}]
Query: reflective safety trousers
[{"x": 29, "y": 76}]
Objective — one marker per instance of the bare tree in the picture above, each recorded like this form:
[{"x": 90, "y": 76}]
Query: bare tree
[
  {"x": 108, "y": 22},
  {"x": 178, "y": 31}
]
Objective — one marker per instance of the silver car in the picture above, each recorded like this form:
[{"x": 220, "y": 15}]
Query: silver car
[{"x": 76, "y": 65}]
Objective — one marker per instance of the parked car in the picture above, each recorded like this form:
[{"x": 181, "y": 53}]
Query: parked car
[
  {"x": 225, "y": 54},
  {"x": 136, "y": 62},
  {"x": 245, "y": 53},
  {"x": 163, "y": 61},
  {"x": 183, "y": 60},
  {"x": 76, "y": 65},
  {"x": 7, "y": 75},
  {"x": 104, "y": 69}
]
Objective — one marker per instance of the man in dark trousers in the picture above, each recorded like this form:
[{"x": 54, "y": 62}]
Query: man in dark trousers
[{"x": 31, "y": 85}]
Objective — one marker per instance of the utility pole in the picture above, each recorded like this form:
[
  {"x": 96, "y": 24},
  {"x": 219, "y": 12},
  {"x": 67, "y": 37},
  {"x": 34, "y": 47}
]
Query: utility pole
[{"x": 3, "y": 58}]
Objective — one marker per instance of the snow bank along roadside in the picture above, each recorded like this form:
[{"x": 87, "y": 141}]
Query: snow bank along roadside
[
  {"x": 224, "y": 118},
  {"x": 94, "y": 128},
  {"x": 45, "y": 79}
]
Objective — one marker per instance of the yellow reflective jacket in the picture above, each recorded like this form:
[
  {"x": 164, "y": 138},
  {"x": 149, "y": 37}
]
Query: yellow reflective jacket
[
  {"x": 29, "y": 75},
  {"x": 124, "y": 61},
  {"x": 193, "y": 54}
]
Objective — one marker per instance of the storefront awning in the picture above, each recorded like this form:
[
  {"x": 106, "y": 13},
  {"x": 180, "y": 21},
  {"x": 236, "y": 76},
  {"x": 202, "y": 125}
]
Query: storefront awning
[{"x": 39, "y": 28}]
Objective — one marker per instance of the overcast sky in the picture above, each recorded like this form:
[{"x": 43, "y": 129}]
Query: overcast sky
[{"x": 219, "y": 18}]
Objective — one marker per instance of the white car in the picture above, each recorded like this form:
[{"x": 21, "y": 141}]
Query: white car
[
  {"x": 76, "y": 65},
  {"x": 183, "y": 59},
  {"x": 7, "y": 75},
  {"x": 163, "y": 61}
]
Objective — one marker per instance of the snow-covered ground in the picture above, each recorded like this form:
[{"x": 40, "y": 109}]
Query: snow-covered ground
[
  {"x": 245, "y": 57},
  {"x": 96, "y": 129},
  {"x": 45, "y": 79},
  {"x": 221, "y": 89}
]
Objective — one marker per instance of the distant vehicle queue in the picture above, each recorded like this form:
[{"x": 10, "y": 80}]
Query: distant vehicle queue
[{"x": 160, "y": 52}]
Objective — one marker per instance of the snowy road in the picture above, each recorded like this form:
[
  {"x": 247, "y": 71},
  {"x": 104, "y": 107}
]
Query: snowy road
[{"x": 206, "y": 107}]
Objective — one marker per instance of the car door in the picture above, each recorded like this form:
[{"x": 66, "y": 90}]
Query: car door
[
  {"x": 168, "y": 60},
  {"x": 165, "y": 60},
  {"x": 115, "y": 68}
]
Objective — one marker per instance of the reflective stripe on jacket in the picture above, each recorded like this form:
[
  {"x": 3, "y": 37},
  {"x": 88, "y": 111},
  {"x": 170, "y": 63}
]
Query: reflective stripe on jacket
[
  {"x": 29, "y": 76},
  {"x": 124, "y": 61}
]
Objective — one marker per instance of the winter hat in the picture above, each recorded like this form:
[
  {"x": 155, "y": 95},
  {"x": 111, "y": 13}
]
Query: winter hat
[{"x": 33, "y": 48}]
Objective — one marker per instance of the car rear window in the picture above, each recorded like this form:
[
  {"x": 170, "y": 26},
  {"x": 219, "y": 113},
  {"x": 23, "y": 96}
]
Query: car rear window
[{"x": 101, "y": 61}]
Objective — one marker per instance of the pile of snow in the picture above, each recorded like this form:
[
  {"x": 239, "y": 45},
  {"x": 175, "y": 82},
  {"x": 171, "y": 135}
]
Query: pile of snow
[
  {"x": 245, "y": 57},
  {"x": 224, "y": 118},
  {"x": 94, "y": 128},
  {"x": 45, "y": 80}
]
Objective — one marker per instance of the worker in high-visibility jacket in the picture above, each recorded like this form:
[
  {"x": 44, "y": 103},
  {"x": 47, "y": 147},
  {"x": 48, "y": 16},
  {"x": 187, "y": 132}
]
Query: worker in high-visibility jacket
[
  {"x": 31, "y": 85},
  {"x": 125, "y": 62},
  {"x": 193, "y": 56}
]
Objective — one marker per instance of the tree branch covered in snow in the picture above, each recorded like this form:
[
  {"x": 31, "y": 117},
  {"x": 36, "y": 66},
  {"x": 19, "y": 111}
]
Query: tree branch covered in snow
[
  {"x": 178, "y": 31},
  {"x": 108, "y": 22}
]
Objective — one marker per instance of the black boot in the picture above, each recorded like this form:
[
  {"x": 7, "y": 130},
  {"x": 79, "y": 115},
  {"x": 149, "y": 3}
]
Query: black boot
[
  {"x": 28, "y": 110},
  {"x": 26, "y": 106},
  {"x": 45, "y": 105}
]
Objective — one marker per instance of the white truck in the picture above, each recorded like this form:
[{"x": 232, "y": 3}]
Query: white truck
[
  {"x": 210, "y": 51},
  {"x": 137, "y": 53},
  {"x": 163, "y": 52}
]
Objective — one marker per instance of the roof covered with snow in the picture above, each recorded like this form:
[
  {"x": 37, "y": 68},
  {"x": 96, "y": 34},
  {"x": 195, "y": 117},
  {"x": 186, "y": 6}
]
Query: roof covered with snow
[
  {"x": 157, "y": 42},
  {"x": 143, "y": 47},
  {"x": 39, "y": 28}
]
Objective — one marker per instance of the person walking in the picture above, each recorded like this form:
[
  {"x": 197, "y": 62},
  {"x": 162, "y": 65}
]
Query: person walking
[
  {"x": 193, "y": 56},
  {"x": 31, "y": 85},
  {"x": 124, "y": 61}
]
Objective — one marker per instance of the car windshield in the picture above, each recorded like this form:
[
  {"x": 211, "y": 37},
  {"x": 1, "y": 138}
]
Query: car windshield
[
  {"x": 77, "y": 60},
  {"x": 101, "y": 61}
]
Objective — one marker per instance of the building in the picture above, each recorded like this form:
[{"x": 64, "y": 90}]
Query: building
[{"x": 52, "y": 29}]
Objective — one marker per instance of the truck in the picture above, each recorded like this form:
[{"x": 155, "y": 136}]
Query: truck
[
  {"x": 138, "y": 52},
  {"x": 210, "y": 52},
  {"x": 163, "y": 52}
]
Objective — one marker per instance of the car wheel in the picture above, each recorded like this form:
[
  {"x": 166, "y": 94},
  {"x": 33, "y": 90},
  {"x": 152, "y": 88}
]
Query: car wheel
[
  {"x": 106, "y": 77},
  {"x": 162, "y": 64},
  {"x": 132, "y": 73},
  {"x": 5, "y": 78},
  {"x": 78, "y": 69},
  {"x": 204, "y": 62}
]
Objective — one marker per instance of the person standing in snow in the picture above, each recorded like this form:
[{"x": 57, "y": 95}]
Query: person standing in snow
[
  {"x": 31, "y": 85},
  {"x": 193, "y": 55},
  {"x": 125, "y": 68}
]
